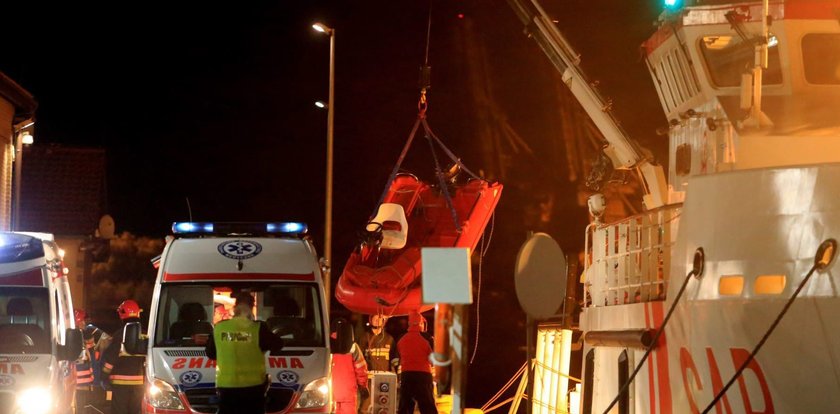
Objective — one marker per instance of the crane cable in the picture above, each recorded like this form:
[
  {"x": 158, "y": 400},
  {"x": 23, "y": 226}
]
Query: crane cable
[
  {"x": 485, "y": 245},
  {"x": 425, "y": 70}
]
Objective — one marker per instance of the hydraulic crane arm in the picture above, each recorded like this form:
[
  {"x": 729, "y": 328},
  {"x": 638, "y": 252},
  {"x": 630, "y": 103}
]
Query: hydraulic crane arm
[{"x": 623, "y": 152}]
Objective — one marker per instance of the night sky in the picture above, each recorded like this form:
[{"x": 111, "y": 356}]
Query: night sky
[{"x": 214, "y": 103}]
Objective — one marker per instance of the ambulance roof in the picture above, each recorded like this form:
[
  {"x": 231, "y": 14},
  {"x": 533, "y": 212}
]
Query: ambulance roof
[
  {"x": 23, "y": 254},
  {"x": 239, "y": 258}
]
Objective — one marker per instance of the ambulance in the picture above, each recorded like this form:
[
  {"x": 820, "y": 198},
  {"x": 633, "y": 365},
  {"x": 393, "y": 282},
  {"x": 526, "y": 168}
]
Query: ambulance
[
  {"x": 200, "y": 270},
  {"x": 39, "y": 342}
]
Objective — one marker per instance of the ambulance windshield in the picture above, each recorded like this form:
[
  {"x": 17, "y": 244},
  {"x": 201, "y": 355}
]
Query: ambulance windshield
[
  {"x": 19, "y": 247},
  {"x": 188, "y": 312},
  {"x": 24, "y": 320}
]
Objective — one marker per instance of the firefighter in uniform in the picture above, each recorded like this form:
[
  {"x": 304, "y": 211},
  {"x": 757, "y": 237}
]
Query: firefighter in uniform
[
  {"x": 415, "y": 370},
  {"x": 88, "y": 389},
  {"x": 239, "y": 345},
  {"x": 377, "y": 347},
  {"x": 125, "y": 371}
]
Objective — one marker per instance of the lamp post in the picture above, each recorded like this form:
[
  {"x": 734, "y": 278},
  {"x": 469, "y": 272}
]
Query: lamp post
[
  {"x": 23, "y": 136},
  {"x": 329, "y": 184}
]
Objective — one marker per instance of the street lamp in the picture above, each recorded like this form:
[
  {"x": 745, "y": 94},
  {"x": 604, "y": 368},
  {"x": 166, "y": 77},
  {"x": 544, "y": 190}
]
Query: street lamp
[
  {"x": 23, "y": 136},
  {"x": 328, "y": 207}
]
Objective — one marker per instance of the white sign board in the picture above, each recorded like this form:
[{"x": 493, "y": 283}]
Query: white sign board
[{"x": 447, "y": 277}]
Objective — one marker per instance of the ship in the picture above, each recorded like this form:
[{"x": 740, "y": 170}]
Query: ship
[{"x": 722, "y": 294}]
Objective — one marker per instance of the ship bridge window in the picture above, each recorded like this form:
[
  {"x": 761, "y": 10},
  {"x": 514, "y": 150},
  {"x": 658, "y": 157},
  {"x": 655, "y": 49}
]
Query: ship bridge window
[
  {"x": 729, "y": 56},
  {"x": 770, "y": 284},
  {"x": 821, "y": 58},
  {"x": 731, "y": 285}
]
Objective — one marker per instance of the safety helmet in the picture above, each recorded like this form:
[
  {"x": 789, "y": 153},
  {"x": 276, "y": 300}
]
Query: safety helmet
[
  {"x": 416, "y": 322},
  {"x": 129, "y": 309},
  {"x": 80, "y": 316}
]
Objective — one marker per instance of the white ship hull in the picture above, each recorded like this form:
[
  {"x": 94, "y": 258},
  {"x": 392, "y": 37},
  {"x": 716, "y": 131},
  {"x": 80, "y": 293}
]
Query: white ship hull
[{"x": 760, "y": 230}]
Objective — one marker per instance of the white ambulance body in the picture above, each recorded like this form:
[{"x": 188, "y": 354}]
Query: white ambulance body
[
  {"x": 200, "y": 269},
  {"x": 38, "y": 340}
]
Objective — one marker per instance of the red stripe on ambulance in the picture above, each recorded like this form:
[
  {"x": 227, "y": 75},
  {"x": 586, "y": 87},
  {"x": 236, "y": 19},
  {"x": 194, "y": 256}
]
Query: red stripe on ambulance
[
  {"x": 32, "y": 277},
  {"x": 201, "y": 362},
  {"x": 185, "y": 277}
]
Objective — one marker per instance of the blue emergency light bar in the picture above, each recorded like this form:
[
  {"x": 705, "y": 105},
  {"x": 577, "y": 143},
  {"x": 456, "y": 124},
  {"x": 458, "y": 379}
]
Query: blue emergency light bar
[{"x": 190, "y": 227}]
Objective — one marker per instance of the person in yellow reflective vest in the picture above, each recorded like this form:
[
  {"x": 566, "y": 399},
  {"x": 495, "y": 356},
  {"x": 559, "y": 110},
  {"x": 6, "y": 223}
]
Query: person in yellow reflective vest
[
  {"x": 125, "y": 371},
  {"x": 239, "y": 345}
]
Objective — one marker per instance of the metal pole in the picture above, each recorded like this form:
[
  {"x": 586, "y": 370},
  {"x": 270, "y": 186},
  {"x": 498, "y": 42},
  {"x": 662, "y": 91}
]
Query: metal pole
[
  {"x": 17, "y": 183},
  {"x": 329, "y": 197},
  {"x": 529, "y": 344}
]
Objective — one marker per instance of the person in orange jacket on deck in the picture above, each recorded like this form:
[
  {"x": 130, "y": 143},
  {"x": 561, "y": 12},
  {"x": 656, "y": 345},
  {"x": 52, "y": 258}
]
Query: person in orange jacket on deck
[
  {"x": 415, "y": 369},
  {"x": 125, "y": 371},
  {"x": 349, "y": 376}
]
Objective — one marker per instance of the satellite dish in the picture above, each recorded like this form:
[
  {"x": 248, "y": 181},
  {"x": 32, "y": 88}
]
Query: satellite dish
[
  {"x": 106, "y": 227},
  {"x": 541, "y": 276}
]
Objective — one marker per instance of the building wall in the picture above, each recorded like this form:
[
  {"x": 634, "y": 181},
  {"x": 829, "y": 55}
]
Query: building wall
[
  {"x": 62, "y": 189},
  {"x": 7, "y": 155},
  {"x": 74, "y": 262}
]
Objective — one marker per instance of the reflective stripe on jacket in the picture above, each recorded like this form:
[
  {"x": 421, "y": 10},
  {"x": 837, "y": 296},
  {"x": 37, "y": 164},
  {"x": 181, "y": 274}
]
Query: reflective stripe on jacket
[
  {"x": 378, "y": 350},
  {"x": 123, "y": 368},
  {"x": 84, "y": 374}
]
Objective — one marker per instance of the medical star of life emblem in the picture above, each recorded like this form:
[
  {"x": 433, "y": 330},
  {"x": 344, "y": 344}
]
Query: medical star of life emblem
[
  {"x": 190, "y": 378},
  {"x": 287, "y": 377},
  {"x": 240, "y": 249}
]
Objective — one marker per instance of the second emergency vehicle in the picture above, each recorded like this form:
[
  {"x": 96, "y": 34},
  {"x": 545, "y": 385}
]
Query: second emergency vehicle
[
  {"x": 200, "y": 270},
  {"x": 38, "y": 338}
]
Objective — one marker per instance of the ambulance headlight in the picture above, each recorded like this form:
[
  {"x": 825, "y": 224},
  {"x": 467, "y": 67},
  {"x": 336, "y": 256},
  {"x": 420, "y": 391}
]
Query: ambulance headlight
[
  {"x": 34, "y": 401},
  {"x": 315, "y": 394},
  {"x": 162, "y": 395}
]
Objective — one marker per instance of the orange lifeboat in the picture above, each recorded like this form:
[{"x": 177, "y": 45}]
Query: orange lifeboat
[{"x": 383, "y": 274}]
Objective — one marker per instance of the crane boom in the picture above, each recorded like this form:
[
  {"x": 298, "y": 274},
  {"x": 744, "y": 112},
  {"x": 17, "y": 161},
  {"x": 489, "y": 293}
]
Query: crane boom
[{"x": 623, "y": 152}]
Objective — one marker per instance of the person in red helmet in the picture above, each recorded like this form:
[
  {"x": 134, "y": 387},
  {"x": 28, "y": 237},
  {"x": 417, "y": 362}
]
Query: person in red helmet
[
  {"x": 125, "y": 371},
  {"x": 415, "y": 370},
  {"x": 89, "y": 393}
]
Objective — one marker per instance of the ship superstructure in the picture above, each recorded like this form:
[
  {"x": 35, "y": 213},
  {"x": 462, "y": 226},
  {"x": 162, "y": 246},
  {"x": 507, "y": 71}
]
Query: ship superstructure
[{"x": 752, "y": 94}]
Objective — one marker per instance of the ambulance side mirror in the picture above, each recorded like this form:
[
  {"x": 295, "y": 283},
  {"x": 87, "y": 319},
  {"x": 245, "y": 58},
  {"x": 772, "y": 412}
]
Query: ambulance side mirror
[
  {"x": 73, "y": 345},
  {"x": 133, "y": 339}
]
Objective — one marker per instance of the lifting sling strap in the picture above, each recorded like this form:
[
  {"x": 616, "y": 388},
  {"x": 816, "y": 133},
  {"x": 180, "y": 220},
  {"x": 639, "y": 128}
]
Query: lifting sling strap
[{"x": 432, "y": 139}]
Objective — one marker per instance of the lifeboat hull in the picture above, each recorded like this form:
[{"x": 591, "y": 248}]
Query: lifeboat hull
[
  {"x": 388, "y": 281},
  {"x": 371, "y": 301}
]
